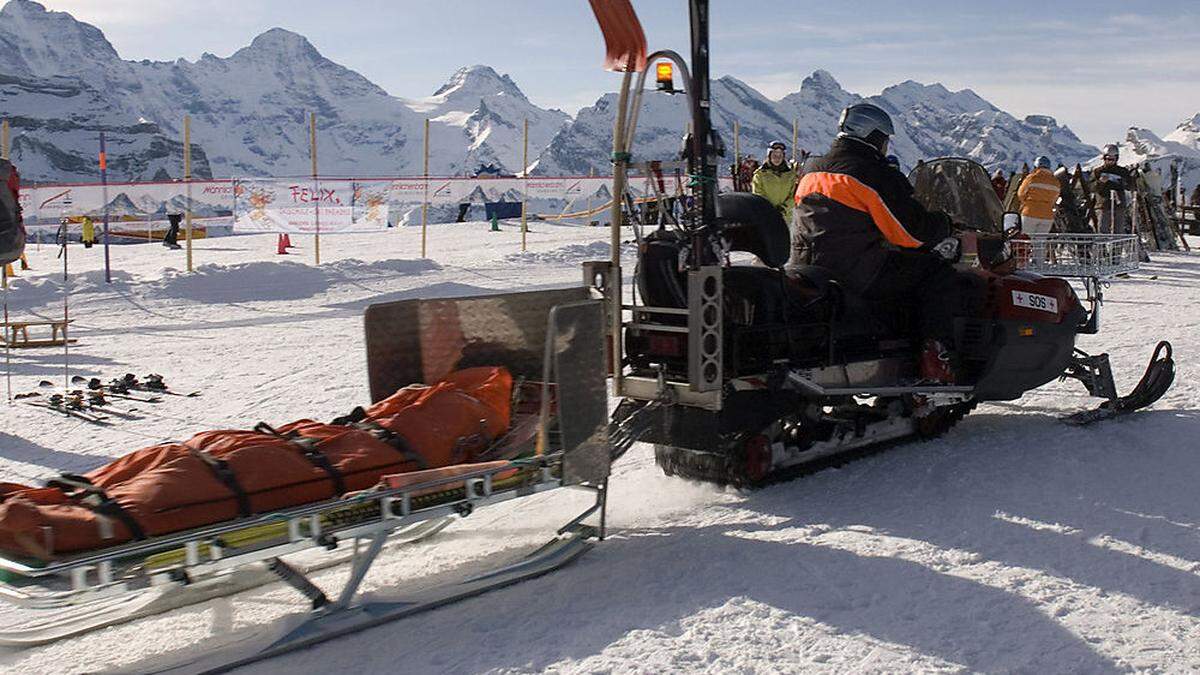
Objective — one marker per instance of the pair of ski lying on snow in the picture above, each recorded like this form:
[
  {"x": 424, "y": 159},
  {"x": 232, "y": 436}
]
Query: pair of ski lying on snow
[{"x": 222, "y": 475}]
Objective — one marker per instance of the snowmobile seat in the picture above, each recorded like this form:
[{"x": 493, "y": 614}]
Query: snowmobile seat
[
  {"x": 853, "y": 315},
  {"x": 772, "y": 297},
  {"x": 750, "y": 223}
]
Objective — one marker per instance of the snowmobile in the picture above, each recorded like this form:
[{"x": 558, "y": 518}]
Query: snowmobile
[{"x": 745, "y": 374}]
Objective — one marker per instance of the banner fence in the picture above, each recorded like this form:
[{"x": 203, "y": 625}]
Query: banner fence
[{"x": 330, "y": 205}]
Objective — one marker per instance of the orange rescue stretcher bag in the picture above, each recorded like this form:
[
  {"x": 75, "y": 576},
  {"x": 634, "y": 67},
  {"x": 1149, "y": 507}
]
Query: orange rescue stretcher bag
[{"x": 217, "y": 476}]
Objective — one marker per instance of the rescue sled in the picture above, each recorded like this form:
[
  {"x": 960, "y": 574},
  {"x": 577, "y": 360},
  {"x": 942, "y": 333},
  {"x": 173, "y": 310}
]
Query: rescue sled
[{"x": 551, "y": 341}]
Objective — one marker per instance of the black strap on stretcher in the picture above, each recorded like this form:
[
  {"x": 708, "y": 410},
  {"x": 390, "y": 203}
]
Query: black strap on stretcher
[
  {"x": 221, "y": 471},
  {"x": 357, "y": 419},
  {"x": 308, "y": 448},
  {"x": 83, "y": 491}
]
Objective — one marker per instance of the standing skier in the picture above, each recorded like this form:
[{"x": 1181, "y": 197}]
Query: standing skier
[
  {"x": 1110, "y": 181},
  {"x": 1000, "y": 184},
  {"x": 171, "y": 239},
  {"x": 1037, "y": 194},
  {"x": 743, "y": 174},
  {"x": 857, "y": 217},
  {"x": 88, "y": 235},
  {"x": 776, "y": 180}
]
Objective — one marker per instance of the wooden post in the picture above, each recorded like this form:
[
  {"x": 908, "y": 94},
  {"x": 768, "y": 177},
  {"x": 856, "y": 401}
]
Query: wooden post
[
  {"x": 737, "y": 147},
  {"x": 524, "y": 184},
  {"x": 312, "y": 151},
  {"x": 425, "y": 198},
  {"x": 795, "y": 139},
  {"x": 591, "y": 174},
  {"x": 187, "y": 180},
  {"x": 5, "y": 140}
]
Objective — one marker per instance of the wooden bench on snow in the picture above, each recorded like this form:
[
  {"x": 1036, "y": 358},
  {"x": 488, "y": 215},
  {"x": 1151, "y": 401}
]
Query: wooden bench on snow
[{"x": 16, "y": 334}]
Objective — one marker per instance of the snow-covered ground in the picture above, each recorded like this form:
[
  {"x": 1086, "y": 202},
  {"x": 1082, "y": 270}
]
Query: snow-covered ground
[{"x": 1014, "y": 543}]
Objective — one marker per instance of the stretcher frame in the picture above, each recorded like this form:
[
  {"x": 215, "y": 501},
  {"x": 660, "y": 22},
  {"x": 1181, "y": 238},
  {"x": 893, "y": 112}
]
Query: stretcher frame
[{"x": 91, "y": 590}]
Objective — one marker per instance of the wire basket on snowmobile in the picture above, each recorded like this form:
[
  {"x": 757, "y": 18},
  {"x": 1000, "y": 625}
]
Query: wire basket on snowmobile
[{"x": 1097, "y": 256}]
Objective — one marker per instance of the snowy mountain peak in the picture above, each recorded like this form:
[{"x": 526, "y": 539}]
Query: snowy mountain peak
[
  {"x": 36, "y": 41},
  {"x": 821, "y": 79},
  {"x": 1045, "y": 121},
  {"x": 1187, "y": 133},
  {"x": 282, "y": 41},
  {"x": 909, "y": 94},
  {"x": 474, "y": 82}
]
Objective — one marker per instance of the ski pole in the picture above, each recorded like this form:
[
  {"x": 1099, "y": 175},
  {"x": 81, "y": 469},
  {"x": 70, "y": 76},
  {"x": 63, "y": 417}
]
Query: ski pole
[
  {"x": 66, "y": 311},
  {"x": 7, "y": 341}
]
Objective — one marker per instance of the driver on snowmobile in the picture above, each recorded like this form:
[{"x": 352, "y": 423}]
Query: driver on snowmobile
[{"x": 856, "y": 216}]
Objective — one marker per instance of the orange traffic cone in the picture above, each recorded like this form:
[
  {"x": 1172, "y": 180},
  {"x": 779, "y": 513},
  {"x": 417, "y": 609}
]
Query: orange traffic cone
[
  {"x": 280, "y": 247},
  {"x": 287, "y": 240}
]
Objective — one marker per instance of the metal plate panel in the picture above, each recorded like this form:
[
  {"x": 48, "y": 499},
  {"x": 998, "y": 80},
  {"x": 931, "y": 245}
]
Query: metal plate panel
[
  {"x": 411, "y": 341},
  {"x": 577, "y": 347}
]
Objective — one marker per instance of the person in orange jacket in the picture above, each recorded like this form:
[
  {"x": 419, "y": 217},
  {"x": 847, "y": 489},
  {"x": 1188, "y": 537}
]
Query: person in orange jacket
[{"x": 1038, "y": 193}]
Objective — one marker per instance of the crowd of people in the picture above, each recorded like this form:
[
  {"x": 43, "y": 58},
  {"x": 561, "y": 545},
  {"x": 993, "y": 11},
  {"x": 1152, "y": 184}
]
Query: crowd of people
[{"x": 1046, "y": 197}]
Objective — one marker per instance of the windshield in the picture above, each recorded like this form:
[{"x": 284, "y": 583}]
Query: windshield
[{"x": 961, "y": 188}]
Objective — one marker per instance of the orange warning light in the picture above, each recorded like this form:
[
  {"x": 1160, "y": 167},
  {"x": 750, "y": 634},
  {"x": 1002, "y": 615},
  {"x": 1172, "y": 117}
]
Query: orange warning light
[{"x": 664, "y": 73}]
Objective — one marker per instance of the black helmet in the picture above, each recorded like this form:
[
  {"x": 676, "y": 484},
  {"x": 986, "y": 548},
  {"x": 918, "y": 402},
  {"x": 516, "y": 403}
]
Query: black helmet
[
  {"x": 868, "y": 123},
  {"x": 776, "y": 145}
]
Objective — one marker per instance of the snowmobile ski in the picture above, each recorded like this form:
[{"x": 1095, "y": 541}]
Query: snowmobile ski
[{"x": 1155, "y": 382}]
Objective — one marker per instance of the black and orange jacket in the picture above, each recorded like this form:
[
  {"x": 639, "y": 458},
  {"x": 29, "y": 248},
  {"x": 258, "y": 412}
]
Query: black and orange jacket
[{"x": 852, "y": 209}]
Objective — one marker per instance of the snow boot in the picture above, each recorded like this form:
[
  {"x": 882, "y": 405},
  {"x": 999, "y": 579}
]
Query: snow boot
[{"x": 935, "y": 365}]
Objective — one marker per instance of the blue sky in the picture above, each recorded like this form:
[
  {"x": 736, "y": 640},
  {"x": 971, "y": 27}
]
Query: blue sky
[{"x": 1098, "y": 65}]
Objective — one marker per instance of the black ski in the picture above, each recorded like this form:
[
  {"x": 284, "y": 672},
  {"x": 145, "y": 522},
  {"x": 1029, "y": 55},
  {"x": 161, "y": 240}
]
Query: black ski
[
  {"x": 92, "y": 418},
  {"x": 152, "y": 384},
  {"x": 112, "y": 390}
]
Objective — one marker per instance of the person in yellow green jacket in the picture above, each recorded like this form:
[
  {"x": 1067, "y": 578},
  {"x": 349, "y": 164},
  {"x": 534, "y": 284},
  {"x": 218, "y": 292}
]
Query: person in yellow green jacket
[
  {"x": 89, "y": 233},
  {"x": 1038, "y": 193},
  {"x": 776, "y": 180}
]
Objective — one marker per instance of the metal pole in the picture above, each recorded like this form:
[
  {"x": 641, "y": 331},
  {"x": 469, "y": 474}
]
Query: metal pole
[
  {"x": 312, "y": 147},
  {"x": 524, "y": 185},
  {"x": 187, "y": 179},
  {"x": 104, "y": 188},
  {"x": 425, "y": 199},
  {"x": 704, "y": 170},
  {"x": 795, "y": 139},
  {"x": 620, "y": 160},
  {"x": 5, "y": 140},
  {"x": 66, "y": 239}
]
